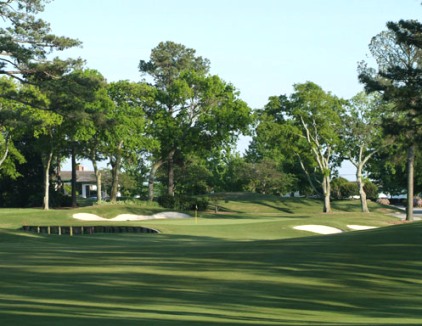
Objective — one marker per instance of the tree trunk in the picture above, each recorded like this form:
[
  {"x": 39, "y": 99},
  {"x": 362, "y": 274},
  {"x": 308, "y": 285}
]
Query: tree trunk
[
  {"x": 6, "y": 150},
  {"x": 114, "y": 181},
  {"x": 151, "y": 179},
  {"x": 410, "y": 184},
  {"x": 97, "y": 180},
  {"x": 46, "y": 165},
  {"x": 115, "y": 169},
  {"x": 99, "y": 188},
  {"x": 326, "y": 188},
  {"x": 59, "y": 183},
  {"x": 307, "y": 175},
  {"x": 362, "y": 193},
  {"x": 171, "y": 173},
  {"x": 74, "y": 202}
]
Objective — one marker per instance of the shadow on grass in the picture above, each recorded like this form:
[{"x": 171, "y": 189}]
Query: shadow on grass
[
  {"x": 275, "y": 207},
  {"x": 257, "y": 203},
  {"x": 344, "y": 279},
  {"x": 249, "y": 216},
  {"x": 346, "y": 206}
]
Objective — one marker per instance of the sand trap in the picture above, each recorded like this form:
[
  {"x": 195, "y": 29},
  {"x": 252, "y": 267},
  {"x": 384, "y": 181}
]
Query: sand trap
[
  {"x": 361, "y": 227},
  {"x": 162, "y": 215},
  {"x": 170, "y": 215},
  {"x": 130, "y": 217},
  {"x": 88, "y": 217},
  {"x": 321, "y": 229}
]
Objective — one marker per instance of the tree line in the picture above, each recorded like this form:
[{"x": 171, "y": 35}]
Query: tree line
[{"x": 178, "y": 127}]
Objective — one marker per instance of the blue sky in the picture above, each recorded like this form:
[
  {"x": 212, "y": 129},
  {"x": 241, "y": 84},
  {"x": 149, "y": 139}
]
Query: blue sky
[{"x": 261, "y": 47}]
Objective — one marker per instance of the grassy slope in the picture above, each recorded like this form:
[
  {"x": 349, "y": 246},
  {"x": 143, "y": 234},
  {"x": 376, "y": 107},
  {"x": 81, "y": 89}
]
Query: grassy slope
[{"x": 227, "y": 269}]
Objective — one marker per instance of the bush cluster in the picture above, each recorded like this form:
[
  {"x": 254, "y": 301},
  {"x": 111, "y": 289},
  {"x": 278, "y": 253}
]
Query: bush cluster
[
  {"x": 342, "y": 188},
  {"x": 371, "y": 190},
  {"x": 184, "y": 203},
  {"x": 58, "y": 199}
]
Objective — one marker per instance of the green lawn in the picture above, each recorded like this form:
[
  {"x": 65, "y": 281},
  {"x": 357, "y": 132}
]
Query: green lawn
[{"x": 245, "y": 266}]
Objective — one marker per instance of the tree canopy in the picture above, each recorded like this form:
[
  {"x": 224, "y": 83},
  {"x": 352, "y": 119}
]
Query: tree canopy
[
  {"x": 398, "y": 78},
  {"x": 363, "y": 137},
  {"x": 193, "y": 111},
  {"x": 303, "y": 127},
  {"x": 181, "y": 122},
  {"x": 26, "y": 41}
]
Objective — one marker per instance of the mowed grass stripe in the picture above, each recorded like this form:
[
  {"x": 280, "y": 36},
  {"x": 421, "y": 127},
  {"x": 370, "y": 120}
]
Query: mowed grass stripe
[{"x": 207, "y": 273}]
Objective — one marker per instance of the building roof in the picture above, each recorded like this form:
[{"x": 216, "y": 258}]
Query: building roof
[{"x": 81, "y": 176}]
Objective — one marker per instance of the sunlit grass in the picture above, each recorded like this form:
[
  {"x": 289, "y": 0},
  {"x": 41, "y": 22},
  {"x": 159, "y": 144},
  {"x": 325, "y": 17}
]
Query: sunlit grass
[{"x": 220, "y": 269}]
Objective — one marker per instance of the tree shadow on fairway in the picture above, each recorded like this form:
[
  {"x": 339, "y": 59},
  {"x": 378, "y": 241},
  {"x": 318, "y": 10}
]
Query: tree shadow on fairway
[
  {"x": 274, "y": 207},
  {"x": 254, "y": 202},
  {"x": 346, "y": 206},
  {"x": 345, "y": 279}
]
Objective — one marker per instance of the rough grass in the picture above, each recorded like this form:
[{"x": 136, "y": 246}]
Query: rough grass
[{"x": 223, "y": 269}]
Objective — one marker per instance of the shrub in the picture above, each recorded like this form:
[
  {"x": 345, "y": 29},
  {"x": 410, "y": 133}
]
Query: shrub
[
  {"x": 58, "y": 199},
  {"x": 202, "y": 203},
  {"x": 383, "y": 201},
  {"x": 187, "y": 203},
  {"x": 167, "y": 201},
  {"x": 183, "y": 203},
  {"x": 371, "y": 190},
  {"x": 342, "y": 188}
]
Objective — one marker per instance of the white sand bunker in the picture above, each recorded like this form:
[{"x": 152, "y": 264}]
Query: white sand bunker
[
  {"x": 130, "y": 217},
  {"x": 361, "y": 227},
  {"x": 321, "y": 229},
  {"x": 88, "y": 217}
]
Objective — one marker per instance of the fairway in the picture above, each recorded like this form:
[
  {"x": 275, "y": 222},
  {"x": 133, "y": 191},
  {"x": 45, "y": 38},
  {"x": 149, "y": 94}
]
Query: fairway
[{"x": 235, "y": 268}]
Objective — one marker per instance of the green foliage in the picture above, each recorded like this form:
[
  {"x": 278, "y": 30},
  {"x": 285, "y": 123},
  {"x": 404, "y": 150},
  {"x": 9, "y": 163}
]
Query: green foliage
[
  {"x": 342, "y": 188},
  {"x": 125, "y": 135},
  {"x": 227, "y": 170},
  {"x": 398, "y": 56},
  {"x": 27, "y": 40},
  {"x": 363, "y": 116},
  {"x": 193, "y": 111},
  {"x": 25, "y": 191},
  {"x": 168, "y": 60},
  {"x": 371, "y": 190},
  {"x": 388, "y": 170},
  {"x": 193, "y": 177},
  {"x": 266, "y": 177},
  {"x": 58, "y": 199},
  {"x": 302, "y": 130},
  {"x": 198, "y": 203},
  {"x": 398, "y": 53},
  {"x": 126, "y": 118},
  {"x": 167, "y": 201},
  {"x": 183, "y": 203},
  {"x": 11, "y": 128}
]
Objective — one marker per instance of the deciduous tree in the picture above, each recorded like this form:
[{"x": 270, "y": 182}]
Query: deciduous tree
[
  {"x": 11, "y": 126},
  {"x": 305, "y": 126},
  {"x": 126, "y": 126},
  {"x": 193, "y": 111},
  {"x": 363, "y": 137},
  {"x": 75, "y": 97}
]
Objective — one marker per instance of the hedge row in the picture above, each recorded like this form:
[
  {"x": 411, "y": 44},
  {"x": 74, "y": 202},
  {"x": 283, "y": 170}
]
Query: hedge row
[{"x": 184, "y": 203}]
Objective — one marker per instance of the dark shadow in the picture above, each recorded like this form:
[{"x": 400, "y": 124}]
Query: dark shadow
[{"x": 348, "y": 279}]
